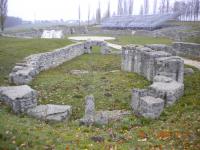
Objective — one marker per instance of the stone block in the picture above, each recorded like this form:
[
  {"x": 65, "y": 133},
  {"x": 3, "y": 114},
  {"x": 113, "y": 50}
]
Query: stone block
[
  {"x": 172, "y": 67},
  {"x": 151, "y": 107},
  {"x": 169, "y": 91},
  {"x": 20, "y": 98},
  {"x": 51, "y": 112}
]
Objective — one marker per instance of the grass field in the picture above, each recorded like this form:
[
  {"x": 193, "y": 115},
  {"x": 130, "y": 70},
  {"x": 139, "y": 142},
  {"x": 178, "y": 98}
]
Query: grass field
[
  {"x": 177, "y": 128},
  {"x": 141, "y": 40},
  {"x": 15, "y": 50}
]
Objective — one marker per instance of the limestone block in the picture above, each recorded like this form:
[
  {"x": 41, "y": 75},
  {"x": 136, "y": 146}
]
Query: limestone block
[
  {"x": 151, "y": 107},
  {"x": 20, "y": 98},
  {"x": 89, "y": 105},
  {"x": 104, "y": 117},
  {"x": 51, "y": 112},
  {"x": 135, "y": 101},
  {"x": 169, "y": 91},
  {"x": 172, "y": 67}
]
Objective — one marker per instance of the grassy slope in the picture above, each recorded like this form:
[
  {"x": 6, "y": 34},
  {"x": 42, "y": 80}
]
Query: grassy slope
[
  {"x": 14, "y": 50},
  {"x": 177, "y": 128},
  {"x": 123, "y": 40}
]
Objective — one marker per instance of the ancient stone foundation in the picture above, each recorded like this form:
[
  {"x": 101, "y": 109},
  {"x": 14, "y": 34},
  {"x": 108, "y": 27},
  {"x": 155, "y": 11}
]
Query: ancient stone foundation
[
  {"x": 164, "y": 70},
  {"x": 23, "y": 99},
  {"x": 24, "y": 72}
]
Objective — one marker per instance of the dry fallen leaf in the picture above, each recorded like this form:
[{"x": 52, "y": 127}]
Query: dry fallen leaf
[{"x": 164, "y": 135}]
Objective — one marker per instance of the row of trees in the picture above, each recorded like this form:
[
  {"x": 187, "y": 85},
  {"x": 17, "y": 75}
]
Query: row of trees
[{"x": 189, "y": 9}]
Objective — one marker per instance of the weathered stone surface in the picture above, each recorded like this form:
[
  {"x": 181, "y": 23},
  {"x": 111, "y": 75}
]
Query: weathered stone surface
[
  {"x": 141, "y": 60},
  {"x": 89, "y": 105},
  {"x": 183, "y": 48},
  {"x": 51, "y": 112},
  {"x": 188, "y": 71},
  {"x": 151, "y": 107},
  {"x": 146, "y": 106},
  {"x": 162, "y": 79},
  {"x": 100, "y": 117},
  {"x": 162, "y": 47},
  {"x": 79, "y": 72},
  {"x": 20, "y": 98},
  {"x": 104, "y": 117},
  {"x": 169, "y": 91},
  {"x": 172, "y": 67}
]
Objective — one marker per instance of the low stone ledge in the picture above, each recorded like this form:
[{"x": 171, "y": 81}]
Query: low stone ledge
[
  {"x": 19, "y": 98},
  {"x": 185, "y": 48},
  {"x": 92, "y": 117},
  {"x": 51, "y": 112},
  {"x": 103, "y": 117}
]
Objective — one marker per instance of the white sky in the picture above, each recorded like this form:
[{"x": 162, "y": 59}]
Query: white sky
[{"x": 61, "y": 9}]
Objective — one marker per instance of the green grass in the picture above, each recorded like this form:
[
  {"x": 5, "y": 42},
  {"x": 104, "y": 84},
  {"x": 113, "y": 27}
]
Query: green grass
[
  {"x": 141, "y": 40},
  {"x": 177, "y": 128},
  {"x": 110, "y": 89},
  {"x": 14, "y": 50},
  {"x": 193, "y": 40}
]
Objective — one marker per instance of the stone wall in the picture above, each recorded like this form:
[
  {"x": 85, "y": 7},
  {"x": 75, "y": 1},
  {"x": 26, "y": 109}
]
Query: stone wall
[
  {"x": 183, "y": 48},
  {"x": 24, "y": 72},
  {"x": 149, "y": 63},
  {"x": 164, "y": 70}
]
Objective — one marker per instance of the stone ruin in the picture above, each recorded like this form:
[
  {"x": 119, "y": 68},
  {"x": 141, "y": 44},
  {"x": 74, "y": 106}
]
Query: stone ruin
[
  {"x": 24, "y": 72},
  {"x": 23, "y": 99},
  {"x": 92, "y": 116},
  {"x": 164, "y": 70}
]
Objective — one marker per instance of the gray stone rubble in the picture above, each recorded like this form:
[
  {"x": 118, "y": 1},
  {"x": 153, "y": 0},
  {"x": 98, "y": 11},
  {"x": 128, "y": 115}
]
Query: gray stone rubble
[
  {"x": 92, "y": 117},
  {"x": 164, "y": 70},
  {"x": 19, "y": 98},
  {"x": 51, "y": 112}
]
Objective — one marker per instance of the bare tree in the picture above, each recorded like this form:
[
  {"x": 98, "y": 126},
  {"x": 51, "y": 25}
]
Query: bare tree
[
  {"x": 98, "y": 14},
  {"x": 88, "y": 15},
  {"x": 167, "y": 6},
  {"x": 79, "y": 15},
  {"x": 141, "y": 10},
  {"x": 131, "y": 3},
  {"x": 162, "y": 6},
  {"x": 155, "y": 7},
  {"x": 196, "y": 9},
  {"x": 120, "y": 7},
  {"x": 125, "y": 12},
  {"x": 146, "y": 7},
  {"x": 107, "y": 15},
  {"x": 3, "y": 13}
]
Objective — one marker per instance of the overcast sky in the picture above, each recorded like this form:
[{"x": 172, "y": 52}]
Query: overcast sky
[{"x": 61, "y": 9}]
